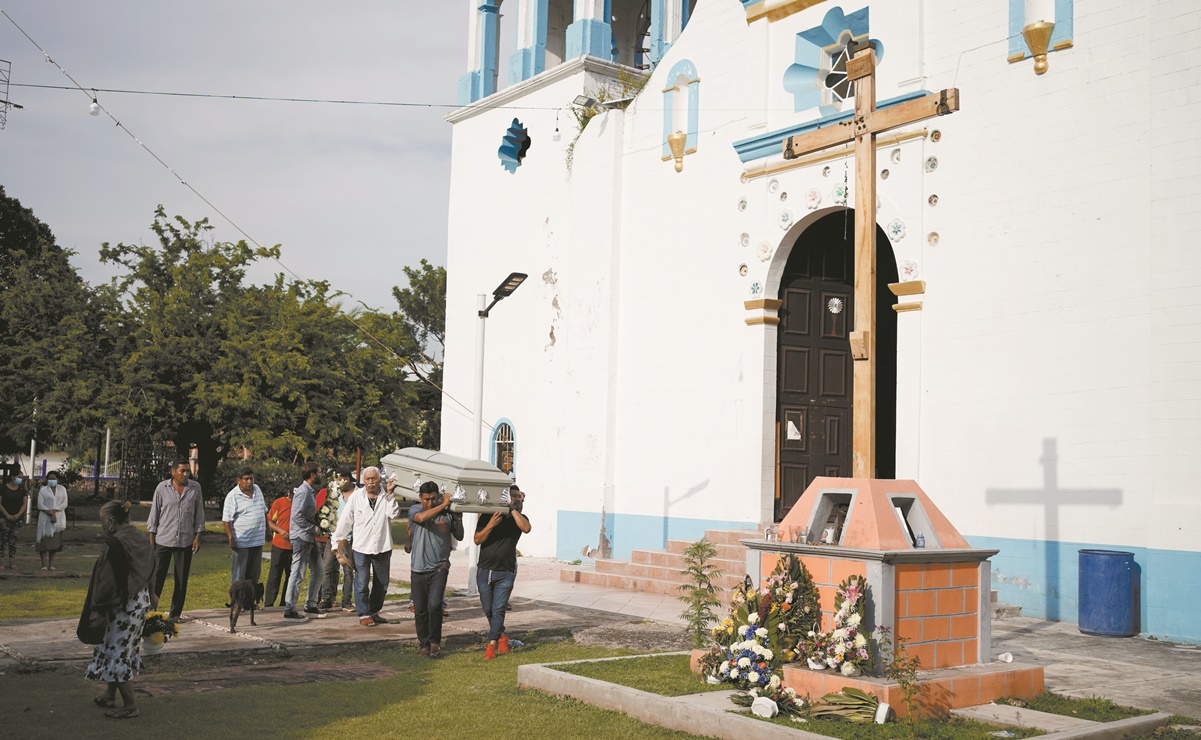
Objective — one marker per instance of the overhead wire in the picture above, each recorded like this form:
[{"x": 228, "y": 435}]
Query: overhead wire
[{"x": 91, "y": 93}]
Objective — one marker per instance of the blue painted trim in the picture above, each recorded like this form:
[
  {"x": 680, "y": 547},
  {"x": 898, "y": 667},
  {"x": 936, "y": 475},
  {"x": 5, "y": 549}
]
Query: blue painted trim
[
  {"x": 469, "y": 88},
  {"x": 489, "y": 40},
  {"x": 1043, "y": 579},
  {"x": 685, "y": 16},
  {"x": 589, "y": 37},
  {"x": 687, "y": 69},
  {"x": 659, "y": 44},
  {"x": 577, "y": 530},
  {"x": 1064, "y": 25},
  {"x": 492, "y": 444},
  {"x": 765, "y": 145},
  {"x": 802, "y": 78},
  {"x": 1064, "y": 22},
  {"x": 531, "y": 60}
]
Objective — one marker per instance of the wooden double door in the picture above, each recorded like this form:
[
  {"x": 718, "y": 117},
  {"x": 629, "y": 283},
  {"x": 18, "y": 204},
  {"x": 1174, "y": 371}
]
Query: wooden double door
[{"x": 815, "y": 369}]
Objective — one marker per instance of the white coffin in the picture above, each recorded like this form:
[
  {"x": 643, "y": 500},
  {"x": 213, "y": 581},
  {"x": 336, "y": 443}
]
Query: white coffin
[{"x": 481, "y": 482}]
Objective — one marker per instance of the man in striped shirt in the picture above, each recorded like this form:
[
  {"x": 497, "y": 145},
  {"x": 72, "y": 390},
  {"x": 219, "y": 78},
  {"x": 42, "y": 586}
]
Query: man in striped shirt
[{"x": 245, "y": 521}]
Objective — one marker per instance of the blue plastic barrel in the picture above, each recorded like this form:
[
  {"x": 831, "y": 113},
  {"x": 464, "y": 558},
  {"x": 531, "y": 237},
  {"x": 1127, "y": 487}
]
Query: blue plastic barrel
[{"x": 1107, "y": 580}]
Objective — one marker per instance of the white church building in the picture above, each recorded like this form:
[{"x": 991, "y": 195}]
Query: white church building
[{"x": 678, "y": 359}]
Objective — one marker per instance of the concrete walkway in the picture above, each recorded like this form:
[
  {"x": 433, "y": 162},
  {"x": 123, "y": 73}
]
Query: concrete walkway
[{"x": 1132, "y": 671}]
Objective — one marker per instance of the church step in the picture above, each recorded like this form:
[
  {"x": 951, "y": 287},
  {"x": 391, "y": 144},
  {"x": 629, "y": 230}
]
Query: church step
[
  {"x": 728, "y": 579},
  {"x": 725, "y": 552},
  {"x": 676, "y": 560},
  {"x": 638, "y": 583},
  {"x": 732, "y": 536},
  {"x": 1005, "y": 611}
]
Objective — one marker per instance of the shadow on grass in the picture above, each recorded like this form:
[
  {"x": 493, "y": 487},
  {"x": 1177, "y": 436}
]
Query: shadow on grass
[{"x": 458, "y": 695}]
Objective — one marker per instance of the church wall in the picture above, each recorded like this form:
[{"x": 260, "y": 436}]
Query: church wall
[{"x": 1049, "y": 392}]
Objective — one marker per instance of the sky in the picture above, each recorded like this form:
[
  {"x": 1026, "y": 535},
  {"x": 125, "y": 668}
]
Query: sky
[{"x": 352, "y": 192}]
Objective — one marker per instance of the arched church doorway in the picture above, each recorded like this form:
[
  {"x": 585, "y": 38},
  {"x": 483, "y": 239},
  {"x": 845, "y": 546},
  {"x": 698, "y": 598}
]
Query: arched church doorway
[{"x": 814, "y": 370}]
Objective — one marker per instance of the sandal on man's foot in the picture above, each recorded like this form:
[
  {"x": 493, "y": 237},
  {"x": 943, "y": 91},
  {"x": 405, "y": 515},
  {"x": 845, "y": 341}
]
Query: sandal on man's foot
[
  {"x": 105, "y": 702},
  {"x": 122, "y": 713}
]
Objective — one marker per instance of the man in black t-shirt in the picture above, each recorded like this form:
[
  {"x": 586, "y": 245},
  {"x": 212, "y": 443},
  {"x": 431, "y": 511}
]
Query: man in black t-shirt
[{"x": 497, "y": 537}]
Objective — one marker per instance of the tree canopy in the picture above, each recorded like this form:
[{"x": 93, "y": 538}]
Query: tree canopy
[{"x": 180, "y": 348}]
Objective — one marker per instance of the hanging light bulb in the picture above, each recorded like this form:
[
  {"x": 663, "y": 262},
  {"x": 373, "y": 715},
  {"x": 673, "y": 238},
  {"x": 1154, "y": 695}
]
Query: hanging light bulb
[
  {"x": 557, "y": 136},
  {"x": 94, "y": 108}
]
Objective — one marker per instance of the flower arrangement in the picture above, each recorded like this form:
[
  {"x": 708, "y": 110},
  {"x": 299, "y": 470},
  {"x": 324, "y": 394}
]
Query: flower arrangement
[
  {"x": 157, "y": 623},
  {"x": 750, "y": 661},
  {"x": 785, "y": 700},
  {"x": 786, "y": 606},
  {"x": 327, "y": 514},
  {"x": 845, "y": 647}
]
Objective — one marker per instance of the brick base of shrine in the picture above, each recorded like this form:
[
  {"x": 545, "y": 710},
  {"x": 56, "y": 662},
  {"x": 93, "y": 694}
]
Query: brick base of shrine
[{"x": 938, "y": 691}]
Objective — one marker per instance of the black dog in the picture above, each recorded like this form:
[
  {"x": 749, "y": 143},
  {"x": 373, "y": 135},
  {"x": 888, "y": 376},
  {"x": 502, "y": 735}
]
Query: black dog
[{"x": 243, "y": 594}]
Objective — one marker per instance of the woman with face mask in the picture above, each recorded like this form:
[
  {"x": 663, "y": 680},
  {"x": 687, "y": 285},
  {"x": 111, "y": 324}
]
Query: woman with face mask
[
  {"x": 12, "y": 517},
  {"x": 52, "y": 519}
]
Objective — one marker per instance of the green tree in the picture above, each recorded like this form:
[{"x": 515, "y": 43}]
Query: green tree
[
  {"x": 423, "y": 320},
  {"x": 280, "y": 369},
  {"x": 56, "y": 339}
]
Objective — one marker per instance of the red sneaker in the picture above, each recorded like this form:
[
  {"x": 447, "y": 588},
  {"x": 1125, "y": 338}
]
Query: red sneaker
[
  {"x": 502, "y": 645},
  {"x": 490, "y": 652}
]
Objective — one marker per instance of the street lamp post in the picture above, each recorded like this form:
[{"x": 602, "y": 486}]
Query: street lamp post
[{"x": 504, "y": 290}]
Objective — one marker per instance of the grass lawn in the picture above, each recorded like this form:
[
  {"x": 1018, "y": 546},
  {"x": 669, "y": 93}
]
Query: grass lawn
[
  {"x": 926, "y": 729},
  {"x": 665, "y": 675},
  {"x": 459, "y": 695},
  {"x": 60, "y": 598},
  {"x": 1093, "y": 708}
]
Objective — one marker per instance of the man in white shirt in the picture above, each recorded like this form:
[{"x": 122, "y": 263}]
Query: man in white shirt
[
  {"x": 245, "y": 521},
  {"x": 366, "y": 518}
]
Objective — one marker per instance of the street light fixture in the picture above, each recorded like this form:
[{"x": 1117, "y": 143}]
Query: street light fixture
[{"x": 504, "y": 290}]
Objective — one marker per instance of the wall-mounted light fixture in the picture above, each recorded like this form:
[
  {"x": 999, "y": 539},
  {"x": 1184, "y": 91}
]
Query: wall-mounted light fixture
[
  {"x": 1038, "y": 40},
  {"x": 675, "y": 142},
  {"x": 584, "y": 101}
]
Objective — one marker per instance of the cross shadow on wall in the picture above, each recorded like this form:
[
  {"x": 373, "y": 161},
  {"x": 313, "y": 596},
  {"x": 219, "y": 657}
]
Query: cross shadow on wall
[
  {"x": 668, "y": 502},
  {"x": 1052, "y": 498}
]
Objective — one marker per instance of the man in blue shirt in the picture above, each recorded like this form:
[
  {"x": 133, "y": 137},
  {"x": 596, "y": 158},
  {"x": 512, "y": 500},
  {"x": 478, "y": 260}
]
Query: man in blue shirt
[
  {"x": 245, "y": 521},
  {"x": 303, "y": 534},
  {"x": 431, "y": 525}
]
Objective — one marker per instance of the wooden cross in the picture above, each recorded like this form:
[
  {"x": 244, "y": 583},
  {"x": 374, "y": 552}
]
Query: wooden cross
[{"x": 862, "y": 129}]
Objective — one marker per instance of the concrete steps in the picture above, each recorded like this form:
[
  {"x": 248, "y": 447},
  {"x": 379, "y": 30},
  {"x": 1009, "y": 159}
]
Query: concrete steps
[
  {"x": 659, "y": 571},
  {"x": 1003, "y": 611}
]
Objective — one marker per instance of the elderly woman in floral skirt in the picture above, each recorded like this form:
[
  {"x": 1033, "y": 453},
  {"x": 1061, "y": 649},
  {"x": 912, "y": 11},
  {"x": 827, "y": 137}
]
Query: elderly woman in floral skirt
[{"x": 117, "y": 602}]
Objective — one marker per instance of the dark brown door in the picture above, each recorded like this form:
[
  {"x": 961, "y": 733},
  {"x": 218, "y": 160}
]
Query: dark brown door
[
  {"x": 815, "y": 374},
  {"x": 815, "y": 377}
]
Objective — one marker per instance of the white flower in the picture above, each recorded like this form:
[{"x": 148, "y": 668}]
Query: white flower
[
  {"x": 854, "y": 620},
  {"x": 840, "y": 649},
  {"x": 794, "y": 586},
  {"x": 753, "y": 677},
  {"x": 725, "y": 668},
  {"x": 744, "y": 662},
  {"x": 791, "y": 692},
  {"x": 742, "y": 631},
  {"x": 752, "y": 618},
  {"x": 767, "y": 654},
  {"x": 839, "y": 634},
  {"x": 860, "y": 641},
  {"x": 782, "y": 626},
  {"x": 324, "y": 523},
  {"x": 775, "y": 681},
  {"x": 761, "y": 632},
  {"x": 832, "y": 661},
  {"x": 847, "y": 669}
]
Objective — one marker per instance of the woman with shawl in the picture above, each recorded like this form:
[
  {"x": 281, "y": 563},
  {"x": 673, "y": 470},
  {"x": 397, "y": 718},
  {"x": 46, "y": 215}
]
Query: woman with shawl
[
  {"x": 52, "y": 519},
  {"x": 115, "y": 610}
]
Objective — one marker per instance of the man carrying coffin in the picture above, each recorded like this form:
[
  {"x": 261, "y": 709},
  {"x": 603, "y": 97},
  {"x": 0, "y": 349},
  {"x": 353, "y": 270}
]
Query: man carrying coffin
[
  {"x": 365, "y": 518},
  {"x": 497, "y": 537}
]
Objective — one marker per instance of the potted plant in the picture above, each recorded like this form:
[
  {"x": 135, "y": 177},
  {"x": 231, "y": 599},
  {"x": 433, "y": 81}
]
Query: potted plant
[{"x": 157, "y": 630}]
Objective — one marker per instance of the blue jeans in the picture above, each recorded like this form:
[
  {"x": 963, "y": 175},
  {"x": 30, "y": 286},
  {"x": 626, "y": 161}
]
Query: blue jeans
[
  {"x": 247, "y": 563},
  {"x": 495, "y": 587},
  {"x": 371, "y": 569},
  {"x": 429, "y": 589},
  {"x": 305, "y": 556}
]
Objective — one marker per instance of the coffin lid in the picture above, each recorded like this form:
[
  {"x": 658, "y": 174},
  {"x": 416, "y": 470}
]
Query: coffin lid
[{"x": 414, "y": 466}]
